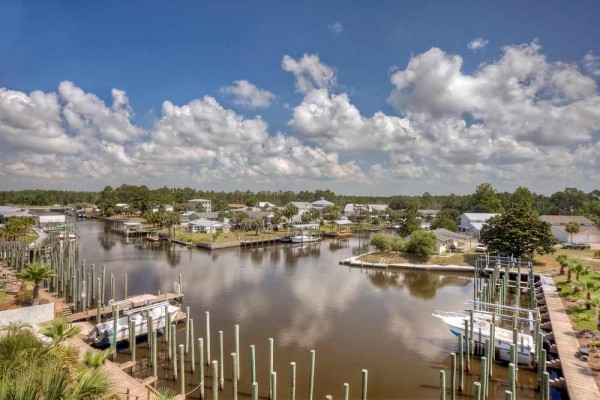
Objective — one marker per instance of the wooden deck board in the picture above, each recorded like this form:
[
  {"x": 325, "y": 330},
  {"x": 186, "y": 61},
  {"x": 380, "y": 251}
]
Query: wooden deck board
[{"x": 578, "y": 374}]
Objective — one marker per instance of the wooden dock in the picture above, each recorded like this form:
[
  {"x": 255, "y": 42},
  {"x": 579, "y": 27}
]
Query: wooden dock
[
  {"x": 578, "y": 374},
  {"x": 93, "y": 312}
]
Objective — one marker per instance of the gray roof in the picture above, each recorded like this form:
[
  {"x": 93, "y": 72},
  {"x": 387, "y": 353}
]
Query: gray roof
[
  {"x": 443, "y": 235},
  {"x": 479, "y": 216},
  {"x": 206, "y": 223},
  {"x": 565, "y": 219}
]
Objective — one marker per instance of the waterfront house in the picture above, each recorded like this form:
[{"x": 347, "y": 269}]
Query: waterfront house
[
  {"x": 265, "y": 204},
  {"x": 588, "y": 232},
  {"x": 236, "y": 206},
  {"x": 358, "y": 211},
  {"x": 471, "y": 223},
  {"x": 207, "y": 226},
  {"x": 303, "y": 206},
  {"x": 451, "y": 241},
  {"x": 199, "y": 205}
]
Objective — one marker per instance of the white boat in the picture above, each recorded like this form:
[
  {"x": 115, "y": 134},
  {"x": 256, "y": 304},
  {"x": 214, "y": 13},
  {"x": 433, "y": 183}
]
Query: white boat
[
  {"x": 102, "y": 334},
  {"x": 304, "y": 239},
  {"x": 481, "y": 331}
]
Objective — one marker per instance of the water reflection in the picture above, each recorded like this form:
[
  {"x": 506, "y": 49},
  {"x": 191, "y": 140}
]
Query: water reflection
[{"x": 300, "y": 296}]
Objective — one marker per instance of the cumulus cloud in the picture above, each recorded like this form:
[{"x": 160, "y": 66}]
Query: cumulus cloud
[
  {"x": 248, "y": 95},
  {"x": 591, "y": 62},
  {"x": 336, "y": 28},
  {"x": 477, "y": 44},
  {"x": 309, "y": 72},
  {"x": 517, "y": 120}
]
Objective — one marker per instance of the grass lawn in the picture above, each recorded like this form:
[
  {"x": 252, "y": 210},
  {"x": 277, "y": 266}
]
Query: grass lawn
[
  {"x": 547, "y": 262},
  {"x": 575, "y": 302}
]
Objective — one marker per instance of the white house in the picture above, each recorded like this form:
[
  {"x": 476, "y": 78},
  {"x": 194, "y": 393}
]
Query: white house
[
  {"x": 471, "y": 223},
  {"x": 588, "y": 232},
  {"x": 448, "y": 240},
  {"x": 206, "y": 226},
  {"x": 265, "y": 204},
  {"x": 354, "y": 210},
  {"x": 167, "y": 207},
  {"x": 199, "y": 205},
  {"x": 303, "y": 206}
]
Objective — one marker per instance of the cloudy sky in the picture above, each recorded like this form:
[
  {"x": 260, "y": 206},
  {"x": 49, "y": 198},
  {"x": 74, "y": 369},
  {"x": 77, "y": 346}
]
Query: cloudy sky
[{"x": 358, "y": 97}]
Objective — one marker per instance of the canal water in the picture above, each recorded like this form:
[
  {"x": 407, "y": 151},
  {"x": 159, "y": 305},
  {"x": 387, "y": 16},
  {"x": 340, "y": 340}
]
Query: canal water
[{"x": 302, "y": 298}]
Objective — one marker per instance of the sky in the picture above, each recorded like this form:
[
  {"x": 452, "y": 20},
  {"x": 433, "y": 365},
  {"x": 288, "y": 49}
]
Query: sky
[{"x": 367, "y": 98}]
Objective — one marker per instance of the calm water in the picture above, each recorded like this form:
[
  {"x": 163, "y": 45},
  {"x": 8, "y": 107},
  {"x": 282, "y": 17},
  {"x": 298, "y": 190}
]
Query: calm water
[{"x": 301, "y": 297}]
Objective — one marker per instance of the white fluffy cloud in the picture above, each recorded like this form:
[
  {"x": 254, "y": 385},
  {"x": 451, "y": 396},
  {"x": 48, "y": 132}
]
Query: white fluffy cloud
[
  {"x": 591, "y": 62},
  {"x": 518, "y": 120},
  {"x": 310, "y": 72},
  {"x": 477, "y": 44},
  {"x": 248, "y": 95},
  {"x": 336, "y": 28}
]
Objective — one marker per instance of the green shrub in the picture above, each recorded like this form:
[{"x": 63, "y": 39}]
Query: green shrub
[{"x": 422, "y": 243}]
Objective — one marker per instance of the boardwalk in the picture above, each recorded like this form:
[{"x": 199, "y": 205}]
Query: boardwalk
[{"x": 578, "y": 375}]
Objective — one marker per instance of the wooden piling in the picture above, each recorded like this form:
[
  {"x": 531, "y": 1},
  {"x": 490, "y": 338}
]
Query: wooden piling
[
  {"x": 443, "y": 385},
  {"x": 452, "y": 377},
  {"x": 346, "y": 391},
  {"x": 215, "y": 374},
  {"x": 125, "y": 284},
  {"x": 311, "y": 381},
  {"x": 292, "y": 381},
  {"x": 254, "y": 390},
  {"x": 512, "y": 382},
  {"x": 174, "y": 349},
  {"x": 273, "y": 385},
  {"x": 192, "y": 349},
  {"x": 237, "y": 348},
  {"x": 187, "y": 329},
  {"x": 154, "y": 352},
  {"x": 234, "y": 376},
  {"x": 207, "y": 338},
  {"x": 221, "y": 366},
  {"x": 253, "y": 363},
  {"x": 365, "y": 377},
  {"x": 477, "y": 391},
  {"x": 270, "y": 366},
  {"x": 134, "y": 340},
  {"x": 182, "y": 369},
  {"x": 201, "y": 365}
]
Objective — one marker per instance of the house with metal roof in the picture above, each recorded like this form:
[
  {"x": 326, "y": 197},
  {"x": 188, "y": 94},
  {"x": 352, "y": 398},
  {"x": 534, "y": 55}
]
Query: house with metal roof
[
  {"x": 321, "y": 203},
  {"x": 588, "y": 232},
  {"x": 471, "y": 223}
]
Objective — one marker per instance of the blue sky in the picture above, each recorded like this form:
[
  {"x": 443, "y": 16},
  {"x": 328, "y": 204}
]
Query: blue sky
[{"x": 423, "y": 139}]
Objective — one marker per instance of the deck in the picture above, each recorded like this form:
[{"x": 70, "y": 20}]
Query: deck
[
  {"x": 578, "y": 374},
  {"x": 91, "y": 313}
]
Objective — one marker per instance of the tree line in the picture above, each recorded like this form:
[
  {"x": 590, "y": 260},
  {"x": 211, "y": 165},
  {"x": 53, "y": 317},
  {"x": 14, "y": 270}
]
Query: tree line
[{"x": 485, "y": 198}]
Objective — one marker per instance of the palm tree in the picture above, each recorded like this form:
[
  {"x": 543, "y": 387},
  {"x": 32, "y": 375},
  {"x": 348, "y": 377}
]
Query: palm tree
[
  {"x": 164, "y": 393},
  {"x": 587, "y": 287},
  {"x": 563, "y": 261},
  {"x": 581, "y": 270},
  {"x": 572, "y": 227},
  {"x": 31, "y": 369},
  {"x": 36, "y": 273},
  {"x": 60, "y": 330},
  {"x": 595, "y": 303},
  {"x": 94, "y": 359}
]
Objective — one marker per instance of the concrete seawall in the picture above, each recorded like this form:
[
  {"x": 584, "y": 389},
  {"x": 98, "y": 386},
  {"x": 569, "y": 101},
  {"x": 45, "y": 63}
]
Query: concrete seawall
[{"x": 355, "y": 262}]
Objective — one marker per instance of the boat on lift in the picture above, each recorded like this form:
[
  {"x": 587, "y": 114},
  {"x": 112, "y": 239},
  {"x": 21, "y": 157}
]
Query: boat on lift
[
  {"x": 455, "y": 321},
  {"x": 102, "y": 335}
]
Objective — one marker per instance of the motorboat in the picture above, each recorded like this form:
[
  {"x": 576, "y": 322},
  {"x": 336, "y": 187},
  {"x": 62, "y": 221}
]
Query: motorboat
[
  {"x": 481, "y": 332},
  {"x": 102, "y": 334}
]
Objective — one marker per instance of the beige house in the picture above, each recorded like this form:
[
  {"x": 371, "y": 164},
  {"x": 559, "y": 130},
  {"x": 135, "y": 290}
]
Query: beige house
[{"x": 588, "y": 232}]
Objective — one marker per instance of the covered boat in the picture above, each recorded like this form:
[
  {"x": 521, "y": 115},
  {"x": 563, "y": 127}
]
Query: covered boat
[
  {"x": 102, "y": 334},
  {"x": 481, "y": 332}
]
